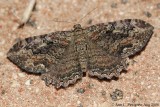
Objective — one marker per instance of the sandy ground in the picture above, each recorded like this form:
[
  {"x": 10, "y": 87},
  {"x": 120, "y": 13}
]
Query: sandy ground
[{"x": 140, "y": 84}]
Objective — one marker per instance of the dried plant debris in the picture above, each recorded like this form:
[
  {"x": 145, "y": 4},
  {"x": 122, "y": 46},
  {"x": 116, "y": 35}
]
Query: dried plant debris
[
  {"x": 63, "y": 57},
  {"x": 27, "y": 13},
  {"x": 117, "y": 95}
]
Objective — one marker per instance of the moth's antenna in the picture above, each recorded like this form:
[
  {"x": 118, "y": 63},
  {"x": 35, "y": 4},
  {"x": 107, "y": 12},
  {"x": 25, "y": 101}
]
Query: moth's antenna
[
  {"x": 87, "y": 14},
  {"x": 55, "y": 20}
]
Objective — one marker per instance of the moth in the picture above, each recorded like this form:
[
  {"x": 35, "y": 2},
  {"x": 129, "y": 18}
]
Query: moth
[{"x": 62, "y": 57}]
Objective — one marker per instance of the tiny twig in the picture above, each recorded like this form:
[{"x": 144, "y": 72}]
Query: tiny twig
[{"x": 27, "y": 13}]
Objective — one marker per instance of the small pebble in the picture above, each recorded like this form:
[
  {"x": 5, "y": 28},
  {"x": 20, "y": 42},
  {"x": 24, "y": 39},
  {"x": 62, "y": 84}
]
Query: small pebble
[
  {"x": 81, "y": 90},
  {"x": 148, "y": 14},
  {"x": 28, "y": 82},
  {"x": 90, "y": 85},
  {"x": 3, "y": 92},
  {"x": 116, "y": 95},
  {"x": 21, "y": 74}
]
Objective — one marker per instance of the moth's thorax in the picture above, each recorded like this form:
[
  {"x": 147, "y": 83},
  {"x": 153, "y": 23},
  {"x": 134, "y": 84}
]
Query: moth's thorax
[
  {"x": 80, "y": 38},
  {"x": 81, "y": 42},
  {"x": 81, "y": 46}
]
